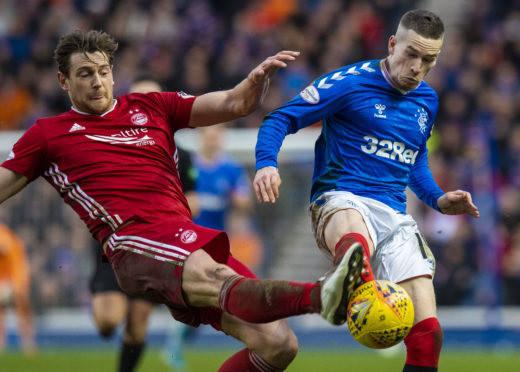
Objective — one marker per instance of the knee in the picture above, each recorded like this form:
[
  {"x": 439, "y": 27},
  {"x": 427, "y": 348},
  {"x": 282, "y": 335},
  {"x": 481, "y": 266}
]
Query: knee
[
  {"x": 280, "y": 346},
  {"x": 106, "y": 327},
  {"x": 200, "y": 267},
  {"x": 202, "y": 279},
  {"x": 108, "y": 310},
  {"x": 106, "y": 323},
  {"x": 287, "y": 346}
]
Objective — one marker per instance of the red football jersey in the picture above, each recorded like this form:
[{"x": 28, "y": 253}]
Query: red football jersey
[{"x": 115, "y": 167}]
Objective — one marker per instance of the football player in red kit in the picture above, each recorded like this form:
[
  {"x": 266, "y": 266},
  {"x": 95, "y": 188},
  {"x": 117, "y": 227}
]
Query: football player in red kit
[{"x": 112, "y": 161}]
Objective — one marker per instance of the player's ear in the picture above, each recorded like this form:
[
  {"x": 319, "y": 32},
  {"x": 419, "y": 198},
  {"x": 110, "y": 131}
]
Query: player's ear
[
  {"x": 63, "y": 81},
  {"x": 391, "y": 44}
]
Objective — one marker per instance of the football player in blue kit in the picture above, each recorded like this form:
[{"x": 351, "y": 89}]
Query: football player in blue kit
[
  {"x": 222, "y": 184},
  {"x": 377, "y": 117}
]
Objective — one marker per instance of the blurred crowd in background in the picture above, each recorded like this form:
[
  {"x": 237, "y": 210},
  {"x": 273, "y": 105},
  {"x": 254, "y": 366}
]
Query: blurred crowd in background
[{"x": 202, "y": 45}]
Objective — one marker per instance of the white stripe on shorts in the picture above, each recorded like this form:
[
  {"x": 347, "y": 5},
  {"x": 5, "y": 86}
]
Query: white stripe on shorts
[{"x": 148, "y": 247}]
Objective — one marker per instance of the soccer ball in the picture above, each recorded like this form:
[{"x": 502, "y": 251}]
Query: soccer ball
[{"x": 380, "y": 314}]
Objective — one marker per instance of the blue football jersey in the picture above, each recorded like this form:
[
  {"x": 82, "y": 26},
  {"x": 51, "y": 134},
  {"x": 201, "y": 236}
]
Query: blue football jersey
[
  {"x": 216, "y": 183},
  {"x": 373, "y": 138}
]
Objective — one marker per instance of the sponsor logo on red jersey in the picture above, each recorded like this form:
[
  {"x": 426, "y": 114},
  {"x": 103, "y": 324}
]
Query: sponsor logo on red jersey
[
  {"x": 132, "y": 136},
  {"x": 76, "y": 127}
]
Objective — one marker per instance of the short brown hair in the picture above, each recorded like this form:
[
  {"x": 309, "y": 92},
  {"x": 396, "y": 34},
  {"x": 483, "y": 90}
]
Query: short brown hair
[
  {"x": 83, "y": 42},
  {"x": 424, "y": 22}
]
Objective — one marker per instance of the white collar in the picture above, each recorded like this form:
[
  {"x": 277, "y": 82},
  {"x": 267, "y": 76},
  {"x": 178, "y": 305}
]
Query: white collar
[{"x": 103, "y": 114}]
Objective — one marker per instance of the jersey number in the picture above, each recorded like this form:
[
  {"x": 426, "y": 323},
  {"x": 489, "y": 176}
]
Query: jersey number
[{"x": 389, "y": 150}]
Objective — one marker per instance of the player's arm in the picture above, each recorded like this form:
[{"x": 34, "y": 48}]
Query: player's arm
[
  {"x": 10, "y": 183},
  {"x": 457, "y": 202},
  {"x": 426, "y": 189},
  {"x": 243, "y": 99},
  {"x": 421, "y": 180},
  {"x": 307, "y": 108}
]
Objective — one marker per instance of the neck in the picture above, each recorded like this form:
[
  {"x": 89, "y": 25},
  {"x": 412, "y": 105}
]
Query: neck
[{"x": 385, "y": 67}]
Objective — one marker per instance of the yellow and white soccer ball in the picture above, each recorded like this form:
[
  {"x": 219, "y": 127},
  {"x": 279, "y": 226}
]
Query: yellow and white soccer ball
[{"x": 380, "y": 314}]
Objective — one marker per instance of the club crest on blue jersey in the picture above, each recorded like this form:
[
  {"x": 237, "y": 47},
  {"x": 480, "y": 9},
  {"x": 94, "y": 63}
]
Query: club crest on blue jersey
[
  {"x": 422, "y": 119},
  {"x": 310, "y": 94}
]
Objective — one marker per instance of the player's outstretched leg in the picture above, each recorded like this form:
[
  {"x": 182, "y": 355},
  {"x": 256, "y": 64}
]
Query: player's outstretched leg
[
  {"x": 263, "y": 301},
  {"x": 254, "y": 300},
  {"x": 338, "y": 285}
]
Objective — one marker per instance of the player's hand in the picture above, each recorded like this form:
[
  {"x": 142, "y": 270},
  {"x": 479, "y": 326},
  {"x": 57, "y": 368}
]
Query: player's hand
[
  {"x": 457, "y": 202},
  {"x": 266, "y": 184},
  {"x": 267, "y": 68}
]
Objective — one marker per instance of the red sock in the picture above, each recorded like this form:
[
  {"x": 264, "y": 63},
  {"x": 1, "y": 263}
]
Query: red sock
[
  {"x": 345, "y": 243},
  {"x": 247, "y": 361},
  {"x": 263, "y": 301},
  {"x": 424, "y": 343}
]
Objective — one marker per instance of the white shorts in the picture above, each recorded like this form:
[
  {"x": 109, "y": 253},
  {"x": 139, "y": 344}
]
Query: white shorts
[{"x": 400, "y": 250}]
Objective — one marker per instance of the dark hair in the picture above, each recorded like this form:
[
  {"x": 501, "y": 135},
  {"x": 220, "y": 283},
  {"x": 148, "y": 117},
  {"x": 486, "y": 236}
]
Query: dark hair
[
  {"x": 83, "y": 42},
  {"x": 424, "y": 22}
]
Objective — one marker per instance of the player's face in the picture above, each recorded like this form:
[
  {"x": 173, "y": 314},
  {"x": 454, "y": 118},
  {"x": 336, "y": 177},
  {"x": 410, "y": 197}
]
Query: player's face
[
  {"x": 90, "y": 82},
  {"x": 411, "y": 57}
]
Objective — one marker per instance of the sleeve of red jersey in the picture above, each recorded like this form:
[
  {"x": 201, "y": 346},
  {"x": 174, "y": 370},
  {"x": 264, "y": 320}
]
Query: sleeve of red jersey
[
  {"x": 177, "y": 106},
  {"x": 28, "y": 154}
]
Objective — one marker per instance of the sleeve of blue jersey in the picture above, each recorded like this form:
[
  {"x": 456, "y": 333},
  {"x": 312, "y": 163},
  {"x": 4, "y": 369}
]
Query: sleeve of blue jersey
[
  {"x": 422, "y": 182},
  {"x": 269, "y": 140},
  {"x": 295, "y": 115}
]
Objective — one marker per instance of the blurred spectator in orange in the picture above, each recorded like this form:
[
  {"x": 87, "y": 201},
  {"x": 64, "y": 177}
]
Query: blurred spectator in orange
[
  {"x": 246, "y": 244},
  {"x": 16, "y": 100},
  {"x": 264, "y": 15},
  {"x": 15, "y": 288}
]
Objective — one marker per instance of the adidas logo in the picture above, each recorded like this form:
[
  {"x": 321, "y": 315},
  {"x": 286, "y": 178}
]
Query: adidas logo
[{"x": 76, "y": 127}]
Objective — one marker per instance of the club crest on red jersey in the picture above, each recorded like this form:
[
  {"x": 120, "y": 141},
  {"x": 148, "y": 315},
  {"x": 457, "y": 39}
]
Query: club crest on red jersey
[
  {"x": 188, "y": 236},
  {"x": 139, "y": 118}
]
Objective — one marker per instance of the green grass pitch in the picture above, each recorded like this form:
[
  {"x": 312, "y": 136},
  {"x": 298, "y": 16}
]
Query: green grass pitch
[{"x": 209, "y": 360}]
